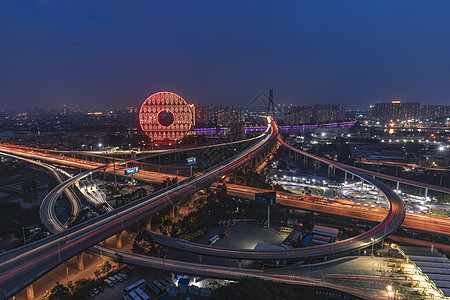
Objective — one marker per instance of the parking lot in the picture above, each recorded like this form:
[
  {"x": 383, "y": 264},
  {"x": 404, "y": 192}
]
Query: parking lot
[
  {"x": 115, "y": 292},
  {"x": 244, "y": 235}
]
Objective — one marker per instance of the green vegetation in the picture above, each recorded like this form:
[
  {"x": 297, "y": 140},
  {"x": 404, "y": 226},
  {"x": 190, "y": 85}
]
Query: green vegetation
[
  {"x": 439, "y": 213},
  {"x": 129, "y": 197},
  {"x": 143, "y": 244},
  {"x": 251, "y": 288},
  {"x": 217, "y": 205},
  {"x": 76, "y": 290},
  {"x": 251, "y": 178}
]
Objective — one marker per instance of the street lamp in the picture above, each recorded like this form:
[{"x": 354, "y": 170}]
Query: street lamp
[{"x": 372, "y": 244}]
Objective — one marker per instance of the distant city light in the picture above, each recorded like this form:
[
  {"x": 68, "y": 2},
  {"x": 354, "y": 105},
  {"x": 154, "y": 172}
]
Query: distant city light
[{"x": 441, "y": 148}]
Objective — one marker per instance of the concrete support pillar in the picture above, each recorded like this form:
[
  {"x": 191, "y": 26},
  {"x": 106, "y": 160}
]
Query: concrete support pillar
[
  {"x": 329, "y": 168},
  {"x": 326, "y": 258},
  {"x": 172, "y": 212},
  {"x": 334, "y": 171},
  {"x": 240, "y": 264},
  {"x": 148, "y": 224},
  {"x": 80, "y": 261},
  {"x": 398, "y": 185},
  {"x": 426, "y": 193},
  {"x": 30, "y": 292},
  {"x": 200, "y": 258},
  {"x": 378, "y": 197},
  {"x": 191, "y": 202},
  {"x": 119, "y": 240},
  {"x": 345, "y": 175},
  {"x": 353, "y": 177}
]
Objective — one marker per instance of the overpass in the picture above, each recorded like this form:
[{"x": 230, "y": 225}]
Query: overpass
[
  {"x": 105, "y": 159},
  {"x": 214, "y": 271},
  {"x": 395, "y": 179},
  {"x": 412, "y": 220},
  {"x": 50, "y": 214},
  {"x": 21, "y": 266},
  {"x": 393, "y": 220}
]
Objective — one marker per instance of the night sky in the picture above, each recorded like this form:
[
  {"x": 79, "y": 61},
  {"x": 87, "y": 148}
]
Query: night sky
[{"x": 108, "y": 54}]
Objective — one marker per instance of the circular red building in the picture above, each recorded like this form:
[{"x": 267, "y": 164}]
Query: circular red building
[{"x": 165, "y": 116}]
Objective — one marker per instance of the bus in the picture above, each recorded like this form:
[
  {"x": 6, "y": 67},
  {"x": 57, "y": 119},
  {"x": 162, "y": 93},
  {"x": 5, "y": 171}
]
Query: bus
[
  {"x": 134, "y": 285},
  {"x": 159, "y": 285},
  {"x": 153, "y": 288},
  {"x": 226, "y": 233},
  {"x": 214, "y": 239},
  {"x": 286, "y": 229},
  {"x": 164, "y": 282},
  {"x": 133, "y": 295},
  {"x": 141, "y": 294}
]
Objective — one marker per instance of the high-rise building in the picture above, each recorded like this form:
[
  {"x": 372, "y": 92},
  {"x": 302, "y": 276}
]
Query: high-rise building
[
  {"x": 205, "y": 116},
  {"x": 318, "y": 113},
  {"x": 430, "y": 112},
  {"x": 218, "y": 116},
  {"x": 397, "y": 111}
]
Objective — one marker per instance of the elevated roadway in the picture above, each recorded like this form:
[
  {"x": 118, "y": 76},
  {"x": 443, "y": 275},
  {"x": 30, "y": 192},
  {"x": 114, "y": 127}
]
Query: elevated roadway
[
  {"x": 393, "y": 220},
  {"x": 180, "y": 267},
  {"x": 48, "y": 216},
  {"x": 19, "y": 268},
  {"x": 54, "y": 158},
  {"x": 345, "y": 208}
]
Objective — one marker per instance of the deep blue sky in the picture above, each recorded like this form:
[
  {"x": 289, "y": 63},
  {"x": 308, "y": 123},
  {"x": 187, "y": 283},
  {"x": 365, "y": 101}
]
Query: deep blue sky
[{"x": 106, "y": 54}]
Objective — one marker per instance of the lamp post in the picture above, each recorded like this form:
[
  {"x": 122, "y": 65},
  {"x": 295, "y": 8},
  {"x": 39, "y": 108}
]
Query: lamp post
[
  {"x": 24, "y": 237},
  {"x": 372, "y": 244}
]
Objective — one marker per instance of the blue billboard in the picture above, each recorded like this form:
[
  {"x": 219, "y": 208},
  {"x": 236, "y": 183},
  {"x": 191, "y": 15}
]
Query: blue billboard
[
  {"x": 191, "y": 160},
  {"x": 131, "y": 171},
  {"x": 268, "y": 198}
]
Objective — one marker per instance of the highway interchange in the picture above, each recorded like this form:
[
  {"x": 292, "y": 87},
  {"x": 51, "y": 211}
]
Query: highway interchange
[
  {"x": 16, "y": 270},
  {"x": 20, "y": 267}
]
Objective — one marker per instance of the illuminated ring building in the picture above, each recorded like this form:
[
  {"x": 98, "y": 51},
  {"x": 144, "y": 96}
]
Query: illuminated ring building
[{"x": 165, "y": 116}]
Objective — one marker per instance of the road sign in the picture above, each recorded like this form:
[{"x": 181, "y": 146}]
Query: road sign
[
  {"x": 266, "y": 198},
  {"x": 131, "y": 171},
  {"x": 191, "y": 160}
]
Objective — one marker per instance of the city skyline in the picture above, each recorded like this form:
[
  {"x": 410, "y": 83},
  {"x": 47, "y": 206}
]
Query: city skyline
[{"x": 102, "y": 56}]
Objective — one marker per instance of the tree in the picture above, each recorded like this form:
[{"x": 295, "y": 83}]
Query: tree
[
  {"x": 119, "y": 260},
  {"x": 71, "y": 287},
  {"x": 59, "y": 292},
  {"x": 82, "y": 286},
  {"x": 105, "y": 267}
]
